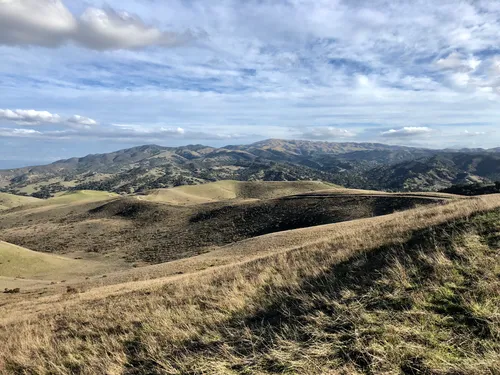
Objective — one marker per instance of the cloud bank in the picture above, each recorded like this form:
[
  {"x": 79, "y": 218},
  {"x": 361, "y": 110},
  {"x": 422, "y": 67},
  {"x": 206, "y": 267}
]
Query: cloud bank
[
  {"x": 326, "y": 133},
  {"x": 407, "y": 132},
  {"x": 49, "y": 23},
  {"x": 28, "y": 116},
  {"x": 34, "y": 117}
]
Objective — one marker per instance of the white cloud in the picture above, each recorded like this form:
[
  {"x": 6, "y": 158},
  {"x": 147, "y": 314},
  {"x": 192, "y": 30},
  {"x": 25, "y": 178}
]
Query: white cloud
[
  {"x": 473, "y": 133},
  {"x": 25, "y": 131},
  {"x": 6, "y": 132},
  {"x": 41, "y": 22},
  {"x": 458, "y": 62},
  {"x": 460, "y": 79},
  {"x": 407, "y": 131},
  {"x": 82, "y": 120},
  {"x": 107, "y": 29},
  {"x": 326, "y": 133},
  {"x": 34, "y": 117},
  {"x": 136, "y": 133},
  {"x": 363, "y": 81},
  {"x": 28, "y": 116},
  {"x": 49, "y": 23}
]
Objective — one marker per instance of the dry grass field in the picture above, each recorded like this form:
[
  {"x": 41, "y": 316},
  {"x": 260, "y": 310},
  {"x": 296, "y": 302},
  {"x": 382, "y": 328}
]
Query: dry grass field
[
  {"x": 228, "y": 190},
  {"x": 9, "y": 201},
  {"x": 148, "y": 232},
  {"x": 388, "y": 284}
]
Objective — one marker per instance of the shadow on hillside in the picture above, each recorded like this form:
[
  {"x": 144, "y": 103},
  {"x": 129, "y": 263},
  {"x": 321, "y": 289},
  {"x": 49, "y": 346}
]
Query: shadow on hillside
[
  {"x": 351, "y": 310},
  {"x": 337, "y": 295},
  {"x": 275, "y": 215}
]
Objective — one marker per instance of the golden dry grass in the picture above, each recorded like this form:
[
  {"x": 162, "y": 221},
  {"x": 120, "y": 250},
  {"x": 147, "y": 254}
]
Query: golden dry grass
[
  {"x": 80, "y": 196},
  {"x": 16, "y": 261},
  {"x": 221, "y": 320},
  {"x": 21, "y": 267},
  {"x": 10, "y": 200},
  {"x": 228, "y": 190},
  {"x": 151, "y": 232}
]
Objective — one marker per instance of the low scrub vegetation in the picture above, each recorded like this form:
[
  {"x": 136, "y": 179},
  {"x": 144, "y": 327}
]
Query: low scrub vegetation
[{"x": 474, "y": 189}]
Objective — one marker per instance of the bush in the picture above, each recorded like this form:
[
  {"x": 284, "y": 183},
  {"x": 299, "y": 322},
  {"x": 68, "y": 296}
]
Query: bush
[{"x": 12, "y": 291}]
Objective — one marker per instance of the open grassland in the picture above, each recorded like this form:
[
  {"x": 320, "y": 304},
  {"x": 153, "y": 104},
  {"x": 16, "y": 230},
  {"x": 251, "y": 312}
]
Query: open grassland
[
  {"x": 18, "y": 261},
  {"x": 413, "y": 292},
  {"x": 227, "y": 190},
  {"x": 80, "y": 196},
  {"x": 10, "y": 200},
  {"x": 151, "y": 232},
  {"x": 21, "y": 267},
  {"x": 21, "y": 203}
]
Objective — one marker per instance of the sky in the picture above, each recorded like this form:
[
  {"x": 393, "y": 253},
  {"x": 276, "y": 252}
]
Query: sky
[{"x": 80, "y": 77}]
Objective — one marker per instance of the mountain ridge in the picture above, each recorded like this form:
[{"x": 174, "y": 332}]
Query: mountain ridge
[{"x": 355, "y": 165}]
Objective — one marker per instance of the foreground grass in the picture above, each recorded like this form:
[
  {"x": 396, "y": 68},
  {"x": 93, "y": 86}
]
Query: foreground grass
[{"x": 415, "y": 292}]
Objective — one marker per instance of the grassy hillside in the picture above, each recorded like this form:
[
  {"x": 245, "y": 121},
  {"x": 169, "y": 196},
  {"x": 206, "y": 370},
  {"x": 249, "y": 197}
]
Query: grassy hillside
[
  {"x": 196, "y": 194},
  {"x": 414, "y": 292},
  {"x": 16, "y": 261},
  {"x": 226, "y": 190},
  {"x": 80, "y": 196},
  {"x": 153, "y": 232},
  {"x": 10, "y": 200}
]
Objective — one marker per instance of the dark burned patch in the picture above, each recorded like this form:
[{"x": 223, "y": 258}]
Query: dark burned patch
[{"x": 132, "y": 209}]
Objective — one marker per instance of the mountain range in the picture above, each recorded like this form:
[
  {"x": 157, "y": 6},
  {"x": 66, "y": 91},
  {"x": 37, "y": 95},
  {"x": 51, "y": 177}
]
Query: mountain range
[{"x": 354, "y": 165}]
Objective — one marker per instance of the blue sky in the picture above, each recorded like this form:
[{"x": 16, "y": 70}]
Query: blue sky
[{"x": 79, "y": 77}]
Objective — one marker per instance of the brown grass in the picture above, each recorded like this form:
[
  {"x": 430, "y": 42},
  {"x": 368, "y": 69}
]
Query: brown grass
[
  {"x": 151, "y": 232},
  {"x": 262, "y": 315},
  {"x": 232, "y": 190}
]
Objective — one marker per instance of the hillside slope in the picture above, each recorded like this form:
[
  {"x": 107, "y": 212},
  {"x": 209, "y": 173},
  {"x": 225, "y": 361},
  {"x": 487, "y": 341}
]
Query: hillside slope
[
  {"x": 414, "y": 292},
  {"x": 227, "y": 190},
  {"x": 19, "y": 262},
  {"x": 139, "y": 230},
  {"x": 10, "y": 200},
  {"x": 437, "y": 172}
]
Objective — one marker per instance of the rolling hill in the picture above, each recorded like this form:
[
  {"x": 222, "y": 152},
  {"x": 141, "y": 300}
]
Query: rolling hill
[
  {"x": 10, "y": 200},
  {"x": 228, "y": 190},
  {"x": 16, "y": 261},
  {"x": 25, "y": 269},
  {"x": 411, "y": 291},
  {"x": 353, "y": 165},
  {"x": 182, "y": 222}
]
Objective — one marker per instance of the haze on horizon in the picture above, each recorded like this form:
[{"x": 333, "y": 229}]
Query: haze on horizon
[{"x": 87, "y": 77}]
